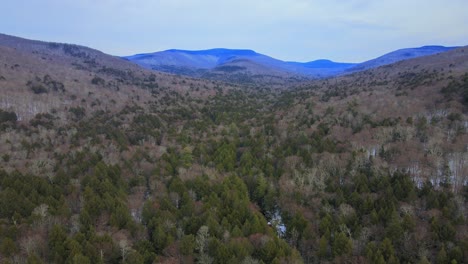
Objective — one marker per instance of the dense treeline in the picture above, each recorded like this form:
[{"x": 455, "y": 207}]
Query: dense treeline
[{"x": 243, "y": 176}]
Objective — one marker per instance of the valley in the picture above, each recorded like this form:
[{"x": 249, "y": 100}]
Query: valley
[
  {"x": 231, "y": 160},
  {"x": 250, "y": 67}
]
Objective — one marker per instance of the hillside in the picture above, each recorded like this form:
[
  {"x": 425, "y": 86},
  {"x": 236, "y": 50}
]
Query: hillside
[
  {"x": 398, "y": 55},
  {"x": 206, "y": 64},
  {"x": 102, "y": 139},
  {"x": 37, "y": 77},
  {"x": 248, "y": 66},
  {"x": 106, "y": 162},
  {"x": 422, "y": 102}
]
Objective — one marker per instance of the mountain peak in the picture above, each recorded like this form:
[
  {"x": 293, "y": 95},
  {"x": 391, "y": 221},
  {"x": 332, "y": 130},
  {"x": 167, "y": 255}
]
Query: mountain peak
[
  {"x": 399, "y": 55},
  {"x": 216, "y": 52},
  {"x": 198, "y": 62}
]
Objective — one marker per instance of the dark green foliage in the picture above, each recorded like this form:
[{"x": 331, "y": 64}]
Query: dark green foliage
[
  {"x": 45, "y": 85},
  {"x": 457, "y": 88},
  {"x": 323, "y": 247},
  {"x": 98, "y": 81},
  {"x": 225, "y": 213},
  {"x": 225, "y": 157},
  {"x": 78, "y": 112},
  {"x": 52, "y": 84},
  {"x": 73, "y": 50},
  {"x": 6, "y": 116},
  {"x": 20, "y": 194},
  {"x": 104, "y": 191},
  {"x": 187, "y": 244},
  {"x": 45, "y": 120},
  {"x": 8, "y": 247},
  {"x": 57, "y": 238},
  {"x": 341, "y": 245},
  {"x": 38, "y": 89},
  {"x": 34, "y": 259},
  {"x": 442, "y": 231},
  {"x": 197, "y": 177}
]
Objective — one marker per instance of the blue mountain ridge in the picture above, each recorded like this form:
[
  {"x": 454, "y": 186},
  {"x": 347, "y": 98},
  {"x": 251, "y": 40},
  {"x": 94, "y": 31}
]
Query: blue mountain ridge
[
  {"x": 399, "y": 55},
  {"x": 190, "y": 61}
]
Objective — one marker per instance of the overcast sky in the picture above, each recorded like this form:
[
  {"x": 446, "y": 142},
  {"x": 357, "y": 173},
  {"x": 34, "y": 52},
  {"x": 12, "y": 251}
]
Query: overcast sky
[{"x": 299, "y": 30}]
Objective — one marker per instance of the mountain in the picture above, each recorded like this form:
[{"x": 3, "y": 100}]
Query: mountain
[
  {"x": 223, "y": 64},
  {"x": 103, "y": 161},
  {"x": 87, "y": 144},
  {"x": 207, "y": 63},
  {"x": 203, "y": 59},
  {"x": 399, "y": 55},
  {"x": 39, "y": 76},
  {"x": 325, "y": 64}
]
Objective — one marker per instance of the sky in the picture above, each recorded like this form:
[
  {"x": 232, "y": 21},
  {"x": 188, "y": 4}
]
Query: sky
[{"x": 291, "y": 30}]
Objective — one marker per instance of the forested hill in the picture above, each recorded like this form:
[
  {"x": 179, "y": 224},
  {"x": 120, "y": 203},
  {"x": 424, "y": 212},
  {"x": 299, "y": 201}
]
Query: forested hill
[{"x": 104, "y": 162}]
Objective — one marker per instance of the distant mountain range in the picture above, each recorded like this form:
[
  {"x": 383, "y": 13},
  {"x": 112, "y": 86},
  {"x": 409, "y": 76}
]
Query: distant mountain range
[
  {"x": 222, "y": 62},
  {"x": 399, "y": 55},
  {"x": 234, "y": 61},
  {"x": 100, "y": 156}
]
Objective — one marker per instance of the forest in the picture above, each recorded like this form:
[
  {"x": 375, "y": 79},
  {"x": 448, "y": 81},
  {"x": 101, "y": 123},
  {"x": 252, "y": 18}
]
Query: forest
[{"x": 140, "y": 167}]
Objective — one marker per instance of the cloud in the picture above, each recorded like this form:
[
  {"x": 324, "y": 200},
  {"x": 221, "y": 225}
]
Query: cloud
[{"x": 351, "y": 30}]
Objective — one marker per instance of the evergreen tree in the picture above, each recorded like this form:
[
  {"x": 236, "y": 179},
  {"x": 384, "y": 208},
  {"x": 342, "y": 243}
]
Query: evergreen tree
[{"x": 342, "y": 245}]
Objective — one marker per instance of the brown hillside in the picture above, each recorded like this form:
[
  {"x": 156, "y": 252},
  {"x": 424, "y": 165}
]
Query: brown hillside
[
  {"x": 104, "y": 162},
  {"x": 83, "y": 76},
  {"x": 415, "y": 109}
]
